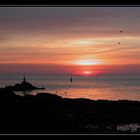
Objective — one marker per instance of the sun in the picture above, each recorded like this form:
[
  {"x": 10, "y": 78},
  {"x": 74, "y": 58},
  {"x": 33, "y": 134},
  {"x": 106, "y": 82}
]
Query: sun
[
  {"x": 86, "y": 67},
  {"x": 87, "y": 73},
  {"x": 87, "y": 62}
]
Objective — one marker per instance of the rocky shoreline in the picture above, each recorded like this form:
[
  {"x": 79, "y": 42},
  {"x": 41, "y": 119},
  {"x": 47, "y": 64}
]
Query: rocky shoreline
[{"x": 46, "y": 113}]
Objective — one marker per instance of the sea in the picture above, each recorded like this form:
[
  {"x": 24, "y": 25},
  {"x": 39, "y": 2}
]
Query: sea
[{"x": 122, "y": 87}]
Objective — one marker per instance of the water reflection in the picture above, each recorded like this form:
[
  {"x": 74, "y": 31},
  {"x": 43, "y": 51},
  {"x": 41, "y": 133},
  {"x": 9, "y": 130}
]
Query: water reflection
[{"x": 106, "y": 88}]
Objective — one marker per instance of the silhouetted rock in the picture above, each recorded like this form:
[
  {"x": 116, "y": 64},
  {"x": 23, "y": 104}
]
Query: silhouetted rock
[
  {"x": 23, "y": 86},
  {"x": 47, "y": 96},
  {"x": 46, "y": 113},
  {"x": 6, "y": 92}
]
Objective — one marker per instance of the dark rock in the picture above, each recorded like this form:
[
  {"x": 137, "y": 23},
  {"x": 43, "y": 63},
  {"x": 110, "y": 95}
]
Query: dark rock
[
  {"x": 47, "y": 113},
  {"x": 23, "y": 86}
]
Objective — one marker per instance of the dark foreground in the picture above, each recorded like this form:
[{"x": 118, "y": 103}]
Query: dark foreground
[{"x": 51, "y": 114}]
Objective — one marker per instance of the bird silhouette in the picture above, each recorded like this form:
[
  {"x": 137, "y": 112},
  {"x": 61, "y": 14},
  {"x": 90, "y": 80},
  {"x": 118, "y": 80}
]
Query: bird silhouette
[{"x": 120, "y": 32}]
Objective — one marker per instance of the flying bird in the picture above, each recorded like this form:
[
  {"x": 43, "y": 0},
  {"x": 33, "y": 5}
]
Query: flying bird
[{"x": 120, "y": 32}]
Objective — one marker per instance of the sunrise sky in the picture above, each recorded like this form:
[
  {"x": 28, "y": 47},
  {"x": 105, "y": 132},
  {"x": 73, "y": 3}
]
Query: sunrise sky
[{"x": 78, "y": 40}]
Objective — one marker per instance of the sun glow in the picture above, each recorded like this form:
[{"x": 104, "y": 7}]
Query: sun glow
[
  {"x": 83, "y": 42},
  {"x": 87, "y": 62}
]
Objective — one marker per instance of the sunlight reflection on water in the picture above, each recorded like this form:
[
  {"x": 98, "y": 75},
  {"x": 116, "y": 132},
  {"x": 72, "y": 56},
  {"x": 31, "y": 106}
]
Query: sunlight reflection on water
[{"x": 87, "y": 87}]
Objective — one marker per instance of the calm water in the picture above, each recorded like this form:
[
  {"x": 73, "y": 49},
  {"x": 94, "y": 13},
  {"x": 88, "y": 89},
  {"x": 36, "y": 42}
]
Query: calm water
[{"x": 95, "y": 87}]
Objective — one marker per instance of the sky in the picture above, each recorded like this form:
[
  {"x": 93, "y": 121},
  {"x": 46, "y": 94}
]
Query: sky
[{"x": 79, "y": 40}]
